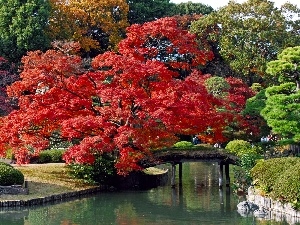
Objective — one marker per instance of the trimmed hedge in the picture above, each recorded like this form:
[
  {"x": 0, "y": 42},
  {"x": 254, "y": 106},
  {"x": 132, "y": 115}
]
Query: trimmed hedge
[
  {"x": 241, "y": 147},
  {"x": 183, "y": 144},
  {"x": 10, "y": 176},
  {"x": 51, "y": 156},
  {"x": 266, "y": 172},
  {"x": 279, "y": 178},
  {"x": 287, "y": 187}
]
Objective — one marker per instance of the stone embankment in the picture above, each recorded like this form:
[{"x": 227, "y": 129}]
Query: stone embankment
[
  {"x": 276, "y": 210},
  {"x": 51, "y": 198},
  {"x": 13, "y": 190}
]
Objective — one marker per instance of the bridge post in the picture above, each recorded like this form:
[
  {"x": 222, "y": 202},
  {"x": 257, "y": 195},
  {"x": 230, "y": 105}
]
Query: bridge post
[
  {"x": 180, "y": 174},
  {"x": 227, "y": 174},
  {"x": 220, "y": 175},
  {"x": 173, "y": 173}
]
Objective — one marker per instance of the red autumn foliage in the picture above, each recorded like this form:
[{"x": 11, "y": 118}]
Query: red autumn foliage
[
  {"x": 232, "y": 105},
  {"x": 164, "y": 40},
  {"x": 125, "y": 104},
  {"x": 184, "y": 21},
  {"x": 239, "y": 92}
]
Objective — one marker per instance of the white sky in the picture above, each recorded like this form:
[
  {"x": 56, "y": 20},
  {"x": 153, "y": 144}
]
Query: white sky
[{"x": 219, "y": 3}]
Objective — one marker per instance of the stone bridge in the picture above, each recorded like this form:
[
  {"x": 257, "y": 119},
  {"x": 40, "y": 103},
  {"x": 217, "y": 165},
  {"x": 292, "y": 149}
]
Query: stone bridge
[{"x": 177, "y": 156}]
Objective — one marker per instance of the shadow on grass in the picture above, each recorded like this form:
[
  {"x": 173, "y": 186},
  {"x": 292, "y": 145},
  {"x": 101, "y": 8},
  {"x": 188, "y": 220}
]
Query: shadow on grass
[{"x": 38, "y": 190}]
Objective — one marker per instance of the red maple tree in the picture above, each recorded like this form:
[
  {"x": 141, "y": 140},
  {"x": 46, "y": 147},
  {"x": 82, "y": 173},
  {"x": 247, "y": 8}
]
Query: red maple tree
[{"x": 123, "y": 105}]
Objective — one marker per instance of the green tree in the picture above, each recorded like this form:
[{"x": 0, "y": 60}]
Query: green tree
[
  {"x": 279, "y": 105},
  {"x": 217, "y": 86},
  {"x": 287, "y": 67},
  {"x": 97, "y": 25},
  {"x": 22, "y": 27},
  {"x": 249, "y": 35},
  {"x": 141, "y": 11},
  {"x": 282, "y": 111},
  {"x": 190, "y": 8},
  {"x": 254, "y": 105}
]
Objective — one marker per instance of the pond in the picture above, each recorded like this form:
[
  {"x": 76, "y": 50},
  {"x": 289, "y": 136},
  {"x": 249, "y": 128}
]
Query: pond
[{"x": 198, "y": 201}]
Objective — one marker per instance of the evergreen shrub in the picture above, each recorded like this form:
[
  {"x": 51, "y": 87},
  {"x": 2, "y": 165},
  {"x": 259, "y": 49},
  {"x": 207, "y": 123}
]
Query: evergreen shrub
[
  {"x": 248, "y": 156},
  {"x": 51, "y": 156},
  {"x": 266, "y": 173},
  {"x": 10, "y": 176},
  {"x": 101, "y": 171},
  {"x": 287, "y": 187},
  {"x": 183, "y": 144},
  {"x": 5, "y": 164},
  {"x": 241, "y": 147}
]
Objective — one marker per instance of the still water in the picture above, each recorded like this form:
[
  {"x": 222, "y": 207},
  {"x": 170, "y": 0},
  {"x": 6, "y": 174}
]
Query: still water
[{"x": 199, "y": 201}]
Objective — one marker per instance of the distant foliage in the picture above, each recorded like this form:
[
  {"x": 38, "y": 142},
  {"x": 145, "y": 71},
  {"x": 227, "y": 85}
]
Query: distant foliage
[
  {"x": 217, "y": 86},
  {"x": 248, "y": 35},
  {"x": 252, "y": 111},
  {"x": 51, "y": 156},
  {"x": 141, "y": 11},
  {"x": 96, "y": 25},
  {"x": 183, "y": 144},
  {"x": 22, "y": 27},
  {"x": 190, "y": 8},
  {"x": 233, "y": 92}
]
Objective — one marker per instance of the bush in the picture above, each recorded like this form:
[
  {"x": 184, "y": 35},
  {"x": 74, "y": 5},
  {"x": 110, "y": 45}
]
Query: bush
[
  {"x": 248, "y": 156},
  {"x": 102, "y": 171},
  {"x": 183, "y": 144},
  {"x": 241, "y": 147},
  {"x": 10, "y": 176},
  {"x": 51, "y": 156},
  {"x": 279, "y": 178},
  {"x": 266, "y": 172},
  {"x": 44, "y": 157},
  {"x": 5, "y": 164},
  {"x": 56, "y": 155},
  {"x": 287, "y": 187}
]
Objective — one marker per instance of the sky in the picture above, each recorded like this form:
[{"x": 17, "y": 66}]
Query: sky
[{"x": 220, "y": 3}]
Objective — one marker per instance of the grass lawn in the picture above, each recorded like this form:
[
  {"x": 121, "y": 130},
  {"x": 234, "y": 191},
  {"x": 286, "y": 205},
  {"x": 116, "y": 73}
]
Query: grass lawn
[
  {"x": 46, "y": 179},
  {"x": 53, "y": 178}
]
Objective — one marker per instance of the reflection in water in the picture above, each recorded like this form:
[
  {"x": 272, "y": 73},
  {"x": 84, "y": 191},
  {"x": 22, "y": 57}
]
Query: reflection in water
[{"x": 197, "y": 201}]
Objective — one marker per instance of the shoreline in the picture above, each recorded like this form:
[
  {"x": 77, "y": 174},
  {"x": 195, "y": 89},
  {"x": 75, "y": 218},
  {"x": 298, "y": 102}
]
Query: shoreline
[
  {"x": 45, "y": 183},
  {"x": 53, "y": 198},
  {"x": 51, "y": 183},
  {"x": 276, "y": 210}
]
